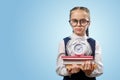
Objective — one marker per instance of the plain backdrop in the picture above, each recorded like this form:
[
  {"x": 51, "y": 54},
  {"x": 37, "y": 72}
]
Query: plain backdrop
[{"x": 30, "y": 31}]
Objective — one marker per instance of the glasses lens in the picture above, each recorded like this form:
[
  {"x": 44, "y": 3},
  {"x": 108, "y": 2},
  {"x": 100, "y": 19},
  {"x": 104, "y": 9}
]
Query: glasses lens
[
  {"x": 73, "y": 22},
  {"x": 84, "y": 22}
]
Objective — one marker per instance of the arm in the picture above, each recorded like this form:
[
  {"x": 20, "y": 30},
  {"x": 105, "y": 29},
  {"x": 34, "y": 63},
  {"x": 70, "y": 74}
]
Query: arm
[
  {"x": 98, "y": 61},
  {"x": 61, "y": 69}
]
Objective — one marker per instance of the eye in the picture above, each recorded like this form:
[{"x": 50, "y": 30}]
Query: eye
[
  {"x": 74, "y": 21},
  {"x": 83, "y": 21}
]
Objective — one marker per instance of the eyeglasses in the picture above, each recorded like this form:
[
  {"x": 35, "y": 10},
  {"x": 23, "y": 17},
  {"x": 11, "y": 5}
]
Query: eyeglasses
[{"x": 82, "y": 22}]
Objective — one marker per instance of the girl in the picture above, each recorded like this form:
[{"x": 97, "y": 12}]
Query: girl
[{"x": 79, "y": 21}]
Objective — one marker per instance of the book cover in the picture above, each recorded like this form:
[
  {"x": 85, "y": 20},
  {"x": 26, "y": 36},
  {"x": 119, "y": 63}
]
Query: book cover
[{"x": 75, "y": 59}]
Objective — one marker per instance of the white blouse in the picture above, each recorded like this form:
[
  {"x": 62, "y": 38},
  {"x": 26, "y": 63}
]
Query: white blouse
[{"x": 61, "y": 69}]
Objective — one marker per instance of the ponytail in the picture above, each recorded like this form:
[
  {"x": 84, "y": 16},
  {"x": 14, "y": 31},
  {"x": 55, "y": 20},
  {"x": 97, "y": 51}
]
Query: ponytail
[{"x": 87, "y": 32}]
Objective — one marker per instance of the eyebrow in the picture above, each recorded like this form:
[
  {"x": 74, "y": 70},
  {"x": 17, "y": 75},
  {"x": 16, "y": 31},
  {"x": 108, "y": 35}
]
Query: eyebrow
[{"x": 80, "y": 19}]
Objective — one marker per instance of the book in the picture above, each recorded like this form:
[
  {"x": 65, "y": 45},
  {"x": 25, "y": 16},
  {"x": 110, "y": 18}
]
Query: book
[{"x": 75, "y": 59}]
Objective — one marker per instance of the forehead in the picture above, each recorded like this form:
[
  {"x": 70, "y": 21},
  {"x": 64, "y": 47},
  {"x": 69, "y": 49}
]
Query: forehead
[{"x": 79, "y": 14}]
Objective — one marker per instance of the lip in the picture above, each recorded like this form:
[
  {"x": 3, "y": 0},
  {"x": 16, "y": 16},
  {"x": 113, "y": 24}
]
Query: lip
[{"x": 78, "y": 29}]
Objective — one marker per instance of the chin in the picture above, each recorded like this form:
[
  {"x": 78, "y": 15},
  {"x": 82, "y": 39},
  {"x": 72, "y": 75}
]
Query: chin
[{"x": 79, "y": 34}]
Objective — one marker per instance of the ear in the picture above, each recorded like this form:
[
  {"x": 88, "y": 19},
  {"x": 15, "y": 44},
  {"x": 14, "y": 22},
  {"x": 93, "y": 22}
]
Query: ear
[
  {"x": 88, "y": 24},
  {"x": 87, "y": 27}
]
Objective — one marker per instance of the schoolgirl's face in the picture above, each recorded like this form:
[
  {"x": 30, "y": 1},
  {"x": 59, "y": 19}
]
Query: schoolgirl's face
[{"x": 79, "y": 20}]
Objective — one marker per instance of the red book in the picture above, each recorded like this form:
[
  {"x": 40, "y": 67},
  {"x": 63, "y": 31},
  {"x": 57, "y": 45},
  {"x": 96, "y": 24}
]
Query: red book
[{"x": 75, "y": 59}]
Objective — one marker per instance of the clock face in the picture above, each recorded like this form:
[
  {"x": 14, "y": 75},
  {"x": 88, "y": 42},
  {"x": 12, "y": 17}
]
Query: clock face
[{"x": 76, "y": 47}]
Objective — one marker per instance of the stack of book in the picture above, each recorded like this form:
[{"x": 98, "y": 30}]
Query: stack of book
[{"x": 76, "y": 59}]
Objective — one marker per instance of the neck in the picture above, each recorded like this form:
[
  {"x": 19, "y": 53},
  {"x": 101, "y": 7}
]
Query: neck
[{"x": 80, "y": 34}]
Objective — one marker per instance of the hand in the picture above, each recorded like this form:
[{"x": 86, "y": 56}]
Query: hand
[
  {"x": 88, "y": 67},
  {"x": 73, "y": 68}
]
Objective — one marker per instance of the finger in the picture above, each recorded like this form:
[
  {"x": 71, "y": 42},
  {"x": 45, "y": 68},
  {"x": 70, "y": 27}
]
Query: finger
[
  {"x": 83, "y": 66},
  {"x": 86, "y": 65},
  {"x": 91, "y": 66},
  {"x": 69, "y": 67},
  {"x": 95, "y": 66}
]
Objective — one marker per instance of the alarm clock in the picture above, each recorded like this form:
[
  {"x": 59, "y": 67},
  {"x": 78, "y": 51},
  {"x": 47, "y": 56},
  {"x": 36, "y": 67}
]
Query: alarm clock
[{"x": 77, "y": 47}]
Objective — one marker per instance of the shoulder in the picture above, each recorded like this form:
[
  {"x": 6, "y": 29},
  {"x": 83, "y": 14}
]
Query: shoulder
[
  {"x": 64, "y": 41},
  {"x": 93, "y": 39},
  {"x": 61, "y": 42},
  {"x": 65, "y": 38}
]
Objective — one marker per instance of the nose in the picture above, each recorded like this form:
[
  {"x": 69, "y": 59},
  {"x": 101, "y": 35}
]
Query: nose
[{"x": 79, "y": 24}]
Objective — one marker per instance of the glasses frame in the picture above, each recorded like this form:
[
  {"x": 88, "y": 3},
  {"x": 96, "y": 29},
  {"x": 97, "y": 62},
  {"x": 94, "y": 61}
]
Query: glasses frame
[{"x": 82, "y": 22}]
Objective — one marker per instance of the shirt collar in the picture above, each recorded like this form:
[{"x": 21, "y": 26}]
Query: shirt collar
[{"x": 74, "y": 36}]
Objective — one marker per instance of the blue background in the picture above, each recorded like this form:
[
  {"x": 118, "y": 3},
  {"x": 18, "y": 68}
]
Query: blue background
[{"x": 30, "y": 31}]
